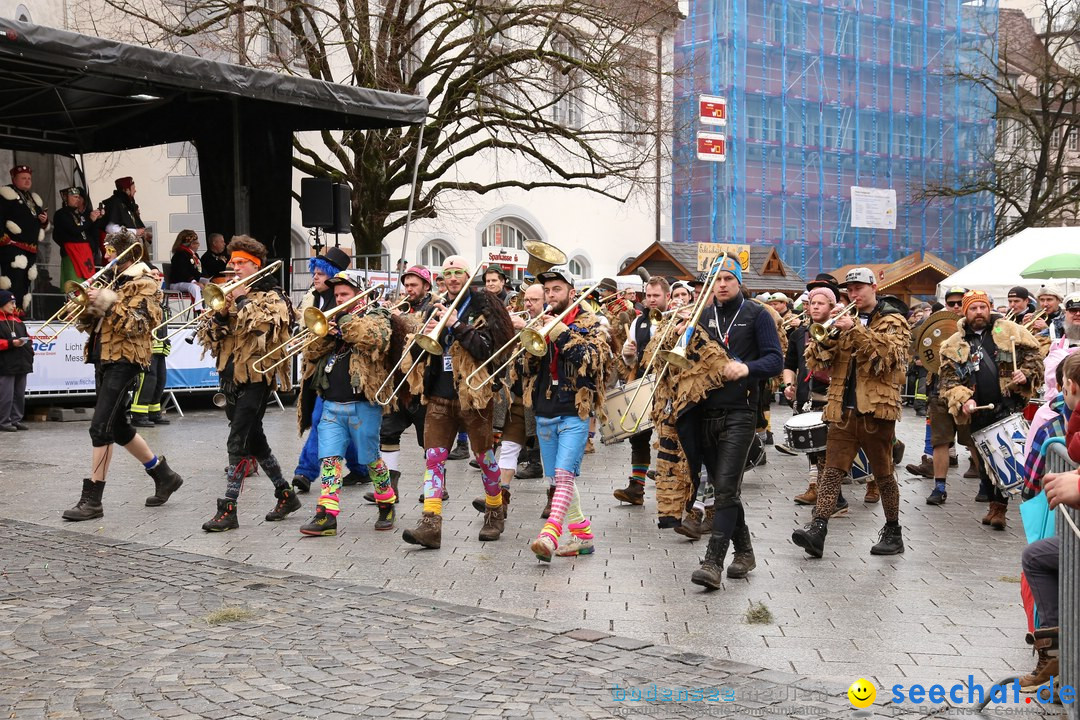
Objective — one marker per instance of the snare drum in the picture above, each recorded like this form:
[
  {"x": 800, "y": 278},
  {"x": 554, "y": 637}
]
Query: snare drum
[
  {"x": 806, "y": 432},
  {"x": 1001, "y": 447},
  {"x": 616, "y": 405}
]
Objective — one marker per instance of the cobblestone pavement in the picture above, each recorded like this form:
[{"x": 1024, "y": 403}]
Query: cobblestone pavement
[{"x": 947, "y": 608}]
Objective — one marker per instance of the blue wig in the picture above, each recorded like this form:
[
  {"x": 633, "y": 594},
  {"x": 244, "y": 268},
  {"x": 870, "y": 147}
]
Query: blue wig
[{"x": 323, "y": 265}]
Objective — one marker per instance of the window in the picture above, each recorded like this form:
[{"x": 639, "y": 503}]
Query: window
[
  {"x": 637, "y": 93},
  {"x": 502, "y": 233},
  {"x": 434, "y": 254},
  {"x": 579, "y": 267},
  {"x": 1074, "y": 137},
  {"x": 566, "y": 91}
]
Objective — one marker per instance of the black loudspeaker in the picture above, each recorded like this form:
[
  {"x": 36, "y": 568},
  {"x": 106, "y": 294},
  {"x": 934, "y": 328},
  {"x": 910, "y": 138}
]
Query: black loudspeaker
[
  {"x": 342, "y": 209},
  {"x": 317, "y": 203}
]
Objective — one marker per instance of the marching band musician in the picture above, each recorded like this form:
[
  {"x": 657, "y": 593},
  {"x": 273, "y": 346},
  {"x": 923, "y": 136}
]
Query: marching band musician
[
  {"x": 989, "y": 360},
  {"x": 408, "y": 410},
  {"x": 120, "y": 320},
  {"x": 632, "y": 367},
  {"x": 563, "y": 388},
  {"x": 256, "y": 318},
  {"x": 867, "y": 360},
  {"x": 1052, "y": 324},
  {"x": 344, "y": 368},
  {"x": 478, "y": 326},
  {"x": 1020, "y": 305}
]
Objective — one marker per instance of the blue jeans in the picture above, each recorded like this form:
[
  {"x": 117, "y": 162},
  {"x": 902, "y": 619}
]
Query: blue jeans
[
  {"x": 352, "y": 425},
  {"x": 562, "y": 443},
  {"x": 308, "y": 465}
]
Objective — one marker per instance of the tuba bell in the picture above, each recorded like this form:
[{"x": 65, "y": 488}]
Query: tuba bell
[{"x": 542, "y": 256}]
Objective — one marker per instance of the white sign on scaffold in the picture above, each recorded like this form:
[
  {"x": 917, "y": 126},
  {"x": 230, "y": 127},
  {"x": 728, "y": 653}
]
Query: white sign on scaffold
[
  {"x": 712, "y": 110},
  {"x": 873, "y": 208},
  {"x": 711, "y": 147}
]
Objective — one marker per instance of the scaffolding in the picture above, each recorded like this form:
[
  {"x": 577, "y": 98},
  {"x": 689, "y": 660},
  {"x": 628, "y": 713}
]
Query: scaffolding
[{"x": 828, "y": 94}]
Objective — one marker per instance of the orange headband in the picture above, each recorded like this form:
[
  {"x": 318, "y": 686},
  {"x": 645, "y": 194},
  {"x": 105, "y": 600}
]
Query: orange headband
[{"x": 246, "y": 256}]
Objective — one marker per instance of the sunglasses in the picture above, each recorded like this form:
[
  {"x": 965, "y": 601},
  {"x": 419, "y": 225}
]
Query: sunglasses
[
  {"x": 454, "y": 273},
  {"x": 1073, "y": 310},
  {"x": 954, "y": 303}
]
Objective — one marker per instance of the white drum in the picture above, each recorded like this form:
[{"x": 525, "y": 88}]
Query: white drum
[
  {"x": 617, "y": 403},
  {"x": 1001, "y": 447}
]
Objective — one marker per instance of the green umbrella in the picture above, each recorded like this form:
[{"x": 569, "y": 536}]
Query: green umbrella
[{"x": 1062, "y": 265}]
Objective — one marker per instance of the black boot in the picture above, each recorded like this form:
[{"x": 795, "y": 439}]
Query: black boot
[
  {"x": 140, "y": 420},
  {"x": 812, "y": 537},
  {"x": 742, "y": 562},
  {"x": 395, "y": 475},
  {"x": 386, "y": 517},
  {"x": 711, "y": 572},
  {"x": 460, "y": 451},
  {"x": 322, "y": 525},
  {"x": 301, "y": 483},
  {"x": 159, "y": 419},
  {"x": 166, "y": 482},
  {"x": 225, "y": 517},
  {"x": 890, "y": 541},
  {"x": 287, "y": 503},
  {"x": 89, "y": 505}
]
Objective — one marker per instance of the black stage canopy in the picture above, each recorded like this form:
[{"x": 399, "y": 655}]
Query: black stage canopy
[{"x": 65, "y": 93}]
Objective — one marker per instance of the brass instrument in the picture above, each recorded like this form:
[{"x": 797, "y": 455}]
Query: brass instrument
[
  {"x": 214, "y": 297},
  {"x": 822, "y": 331},
  {"x": 428, "y": 342},
  {"x": 1040, "y": 315},
  {"x": 535, "y": 341},
  {"x": 509, "y": 343},
  {"x": 542, "y": 256},
  {"x": 219, "y": 400},
  {"x": 677, "y": 355},
  {"x": 316, "y": 326},
  {"x": 78, "y": 294},
  {"x": 673, "y": 320},
  {"x": 658, "y": 316},
  {"x": 790, "y": 321}
]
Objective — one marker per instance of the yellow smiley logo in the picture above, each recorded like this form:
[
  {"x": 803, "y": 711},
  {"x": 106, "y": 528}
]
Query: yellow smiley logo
[{"x": 862, "y": 693}]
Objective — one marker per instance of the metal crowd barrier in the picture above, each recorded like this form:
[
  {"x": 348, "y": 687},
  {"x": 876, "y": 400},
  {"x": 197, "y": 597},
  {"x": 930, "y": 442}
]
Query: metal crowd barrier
[{"x": 1057, "y": 460}]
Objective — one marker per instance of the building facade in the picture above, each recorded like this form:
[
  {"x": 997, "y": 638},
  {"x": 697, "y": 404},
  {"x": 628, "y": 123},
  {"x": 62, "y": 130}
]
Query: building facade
[{"x": 824, "y": 95}]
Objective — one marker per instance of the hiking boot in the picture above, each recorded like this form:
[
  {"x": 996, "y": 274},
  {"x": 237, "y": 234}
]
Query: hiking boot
[
  {"x": 225, "y": 519},
  {"x": 898, "y": 452},
  {"x": 160, "y": 419},
  {"x": 809, "y": 497},
  {"x": 287, "y": 503},
  {"x": 543, "y": 548},
  {"x": 997, "y": 515},
  {"x": 141, "y": 420},
  {"x": 1044, "y": 642},
  {"x": 812, "y": 537},
  {"x": 386, "y": 517},
  {"x": 531, "y": 470},
  {"x": 711, "y": 572},
  {"x": 301, "y": 483},
  {"x": 395, "y": 475},
  {"x": 742, "y": 562},
  {"x": 323, "y": 524},
  {"x": 873, "y": 495},
  {"x": 691, "y": 525},
  {"x": 494, "y": 524},
  {"x": 937, "y": 497},
  {"x": 972, "y": 472},
  {"x": 841, "y": 507},
  {"x": 460, "y": 451},
  {"x": 480, "y": 503},
  {"x": 890, "y": 541},
  {"x": 355, "y": 478},
  {"x": 576, "y": 546},
  {"x": 428, "y": 532},
  {"x": 89, "y": 505},
  {"x": 547, "y": 508},
  {"x": 924, "y": 469},
  {"x": 166, "y": 482},
  {"x": 633, "y": 493}
]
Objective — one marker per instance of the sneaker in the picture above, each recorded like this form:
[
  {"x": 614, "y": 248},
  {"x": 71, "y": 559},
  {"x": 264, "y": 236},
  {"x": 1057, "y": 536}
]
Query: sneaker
[
  {"x": 785, "y": 450},
  {"x": 224, "y": 519},
  {"x": 323, "y": 524},
  {"x": 890, "y": 541},
  {"x": 937, "y": 497},
  {"x": 301, "y": 483},
  {"x": 140, "y": 420},
  {"x": 386, "y": 517},
  {"x": 841, "y": 507},
  {"x": 21, "y": 426},
  {"x": 460, "y": 451},
  {"x": 576, "y": 546},
  {"x": 544, "y": 547},
  {"x": 287, "y": 503}
]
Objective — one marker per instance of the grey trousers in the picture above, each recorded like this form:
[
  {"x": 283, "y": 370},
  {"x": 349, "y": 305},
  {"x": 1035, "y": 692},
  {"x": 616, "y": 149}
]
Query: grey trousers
[
  {"x": 1040, "y": 562},
  {"x": 12, "y": 394}
]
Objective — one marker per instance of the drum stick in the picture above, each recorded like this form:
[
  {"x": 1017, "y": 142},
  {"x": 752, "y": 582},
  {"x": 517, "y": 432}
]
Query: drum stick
[
  {"x": 988, "y": 406},
  {"x": 1014, "y": 355}
]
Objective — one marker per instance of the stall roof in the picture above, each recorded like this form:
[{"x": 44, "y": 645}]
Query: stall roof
[
  {"x": 68, "y": 93},
  {"x": 766, "y": 271}
]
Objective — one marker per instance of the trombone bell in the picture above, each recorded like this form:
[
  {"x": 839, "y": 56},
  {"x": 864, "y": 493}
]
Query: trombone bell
[{"x": 677, "y": 357}]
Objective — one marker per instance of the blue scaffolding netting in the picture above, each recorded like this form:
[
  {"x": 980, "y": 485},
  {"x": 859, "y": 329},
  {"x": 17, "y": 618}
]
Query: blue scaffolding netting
[{"x": 824, "y": 95}]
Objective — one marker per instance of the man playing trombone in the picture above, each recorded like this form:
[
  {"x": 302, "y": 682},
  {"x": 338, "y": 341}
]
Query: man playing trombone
[
  {"x": 344, "y": 367},
  {"x": 255, "y": 318},
  {"x": 564, "y": 386},
  {"x": 867, "y": 358},
  {"x": 120, "y": 319},
  {"x": 465, "y": 333}
]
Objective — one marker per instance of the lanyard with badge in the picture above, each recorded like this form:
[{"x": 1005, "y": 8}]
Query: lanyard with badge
[
  {"x": 725, "y": 337},
  {"x": 448, "y": 338}
]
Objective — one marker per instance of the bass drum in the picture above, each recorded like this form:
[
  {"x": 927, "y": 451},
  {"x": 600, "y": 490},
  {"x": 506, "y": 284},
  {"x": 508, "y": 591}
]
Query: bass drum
[{"x": 617, "y": 404}]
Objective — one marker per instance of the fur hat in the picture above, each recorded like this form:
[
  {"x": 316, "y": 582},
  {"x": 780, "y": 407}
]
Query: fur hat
[
  {"x": 249, "y": 245},
  {"x": 124, "y": 183},
  {"x": 20, "y": 169},
  {"x": 121, "y": 240}
]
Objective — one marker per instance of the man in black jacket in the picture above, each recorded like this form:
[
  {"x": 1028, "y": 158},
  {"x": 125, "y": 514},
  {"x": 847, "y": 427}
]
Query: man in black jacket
[
  {"x": 121, "y": 210},
  {"x": 23, "y": 220}
]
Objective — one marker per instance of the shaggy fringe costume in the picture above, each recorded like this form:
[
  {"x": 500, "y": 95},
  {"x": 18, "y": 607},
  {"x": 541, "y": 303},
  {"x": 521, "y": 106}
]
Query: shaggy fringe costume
[{"x": 20, "y": 233}]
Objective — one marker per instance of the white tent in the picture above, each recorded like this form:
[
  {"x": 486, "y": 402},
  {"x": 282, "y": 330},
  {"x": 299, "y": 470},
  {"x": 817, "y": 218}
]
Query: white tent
[{"x": 999, "y": 270}]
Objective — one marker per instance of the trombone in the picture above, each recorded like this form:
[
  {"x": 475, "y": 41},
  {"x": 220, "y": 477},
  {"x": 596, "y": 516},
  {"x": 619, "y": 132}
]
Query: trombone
[
  {"x": 214, "y": 298},
  {"x": 535, "y": 341},
  {"x": 78, "y": 294},
  {"x": 316, "y": 326},
  {"x": 1041, "y": 314},
  {"x": 822, "y": 331},
  {"x": 499, "y": 352},
  {"x": 429, "y": 342},
  {"x": 672, "y": 321},
  {"x": 677, "y": 355},
  {"x": 789, "y": 321}
]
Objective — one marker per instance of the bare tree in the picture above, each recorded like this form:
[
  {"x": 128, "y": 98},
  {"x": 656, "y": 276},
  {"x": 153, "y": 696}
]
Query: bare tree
[
  {"x": 544, "y": 93},
  {"x": 1033, "y": 172}
]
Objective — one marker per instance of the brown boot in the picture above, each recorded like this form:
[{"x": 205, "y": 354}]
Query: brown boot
[
  {"x": 633, "y": 493},
  {"x": 872, "y": 493},
  {"x": 1044, "y": 642},
  {"x": 691, "y": 525},
  {"x": 590, "y": 448},
  {"x": 998, "y": 511},
  {"x": 547, "y": 508},
  {"x": 988, "y": 516},
  {"x": 428, "y": 532},
  {"x": 493, "y": 524},
  {"x": 972, "y": 472},
  {"x": 809, "y": 497},
  {"x": 923, "y": 469}
]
